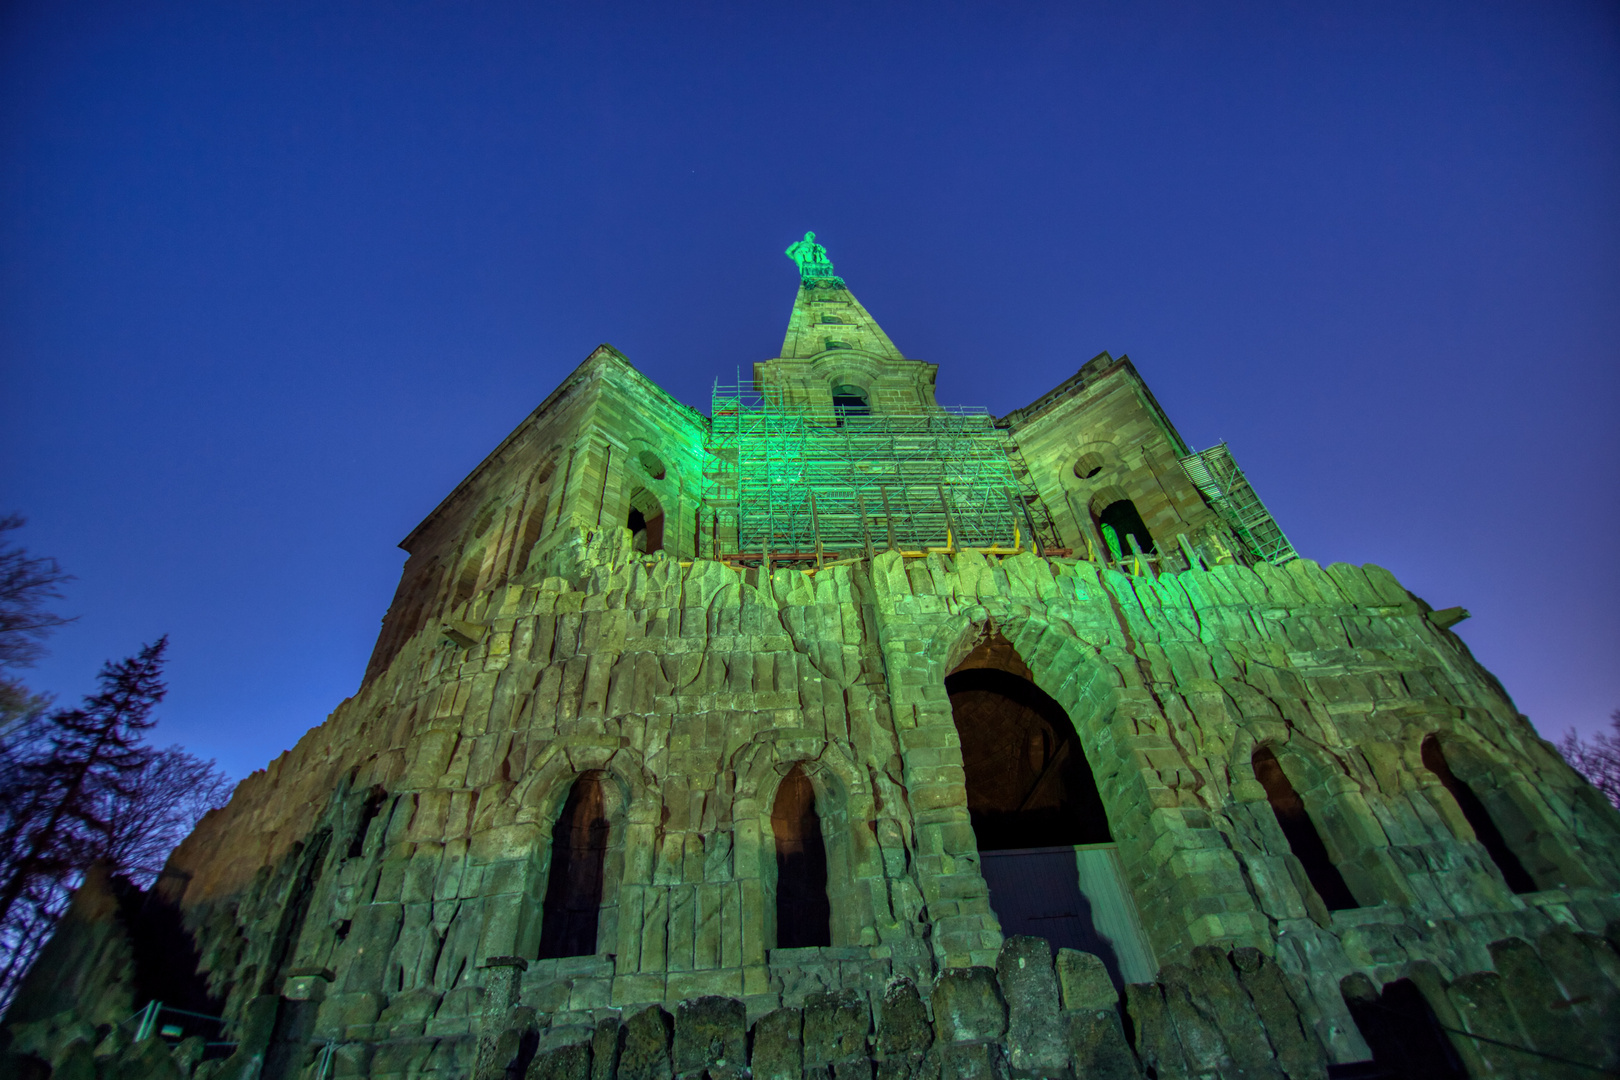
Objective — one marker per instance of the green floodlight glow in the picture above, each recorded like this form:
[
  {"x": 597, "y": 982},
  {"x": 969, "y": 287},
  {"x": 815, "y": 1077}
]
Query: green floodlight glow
[
  {"x": 1111, "y": 538},
  {"x": 814, "y": 266}
]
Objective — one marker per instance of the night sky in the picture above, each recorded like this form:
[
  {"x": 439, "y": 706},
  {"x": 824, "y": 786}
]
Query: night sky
[{"x": 277, "y": 276}]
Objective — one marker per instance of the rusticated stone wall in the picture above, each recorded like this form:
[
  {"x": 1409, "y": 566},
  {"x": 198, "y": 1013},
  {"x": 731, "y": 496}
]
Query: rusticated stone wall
[
  {"x": 1550, "y": 1011},
  {"x": 381, "y": 883}
]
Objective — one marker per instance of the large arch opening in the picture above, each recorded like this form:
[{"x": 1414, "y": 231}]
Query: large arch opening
[
  {"x": 803, "y": 911},
  {"x": 1479, "y": 818},
  {"x": 646, "y": 521},
  {"x": 1303, "y": 839},
  {"x": 1028, "y": 781},
  {"x": 1045, "y": 846},
  {"x": 579, "y": 844}
]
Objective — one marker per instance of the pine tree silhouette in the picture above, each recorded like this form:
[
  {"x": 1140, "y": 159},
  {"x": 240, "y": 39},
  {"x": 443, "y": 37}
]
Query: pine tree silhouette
[{"x": 60, "y": 819}]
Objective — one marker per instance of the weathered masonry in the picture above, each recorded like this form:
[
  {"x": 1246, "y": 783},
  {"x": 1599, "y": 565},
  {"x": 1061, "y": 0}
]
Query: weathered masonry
[{"x": 838, "y": 733}]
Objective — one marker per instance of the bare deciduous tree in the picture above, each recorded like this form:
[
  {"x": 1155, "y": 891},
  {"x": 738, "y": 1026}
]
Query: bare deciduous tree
[
  {"x": 26, "y": 583},
  {"x": 1597, "y": 759},
  {"x": 160, "y": 804}
]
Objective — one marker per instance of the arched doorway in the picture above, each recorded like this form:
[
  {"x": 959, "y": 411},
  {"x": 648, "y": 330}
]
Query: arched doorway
[
  {"x": 803, "y": 912},
  {"x": 1045, "y": 846},
  {"x": 579, "y": 844}
]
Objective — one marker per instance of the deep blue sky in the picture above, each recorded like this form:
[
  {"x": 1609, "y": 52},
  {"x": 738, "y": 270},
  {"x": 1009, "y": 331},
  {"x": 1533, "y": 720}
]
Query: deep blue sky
[{"x": 276, "y": 276}]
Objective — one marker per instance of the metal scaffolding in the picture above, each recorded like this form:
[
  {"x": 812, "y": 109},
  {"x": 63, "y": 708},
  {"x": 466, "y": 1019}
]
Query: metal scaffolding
[
  {"x": 1217, "y": 475},
  {"x": 785, "y": 482}
]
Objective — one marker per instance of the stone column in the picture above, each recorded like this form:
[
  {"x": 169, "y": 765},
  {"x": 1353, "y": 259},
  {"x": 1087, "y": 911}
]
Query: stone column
[{"x": 502, "y": 983}]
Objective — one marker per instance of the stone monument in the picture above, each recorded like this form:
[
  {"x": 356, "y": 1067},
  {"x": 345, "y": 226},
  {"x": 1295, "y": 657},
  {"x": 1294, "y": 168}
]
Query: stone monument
[{"x": 839, "y": 733}]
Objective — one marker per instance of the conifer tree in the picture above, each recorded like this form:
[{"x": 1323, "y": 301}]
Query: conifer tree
[{"x": 60, "y": 819}]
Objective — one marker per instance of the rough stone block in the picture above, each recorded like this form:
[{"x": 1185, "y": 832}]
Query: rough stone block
[
  {"x": 1030, "y": 989},
  {"x": 1157, "y": 1045},
  {"x": 1298, "y": 1050},
  {"x": 571, "y": 1062},
  {"x": 973, "y": 1061},
  {"x": 710, "y": 1031},
  {"x": 778, "y": 1051},
  {"x": 835, "y": 1028},
  {"x": 1097, "y": 1046},
  {"x": 605, "y": 1048},
  {"x": 902, "y": 1027},
  {"x": 1214, "y": 986},
  {"x": 968, "y": 1006},
  {"x": 644, "y": 1047},
  {"x": 1084, "y": 982}
]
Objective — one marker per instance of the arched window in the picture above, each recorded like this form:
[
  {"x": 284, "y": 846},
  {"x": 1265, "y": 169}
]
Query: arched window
[
  {"x": 467, "y": 580},
  {"x": 579, "y": 843},
  {"x": 1122, "y": 520},
  {"x": 803, "y": 913},
  {"x": 646, "y": 521},
  {"x": 1485, "y": 830},
  {"x": 1303, "y": 839},
  {"x": 1401, "y": 1029},
  {"x": 850, "y": 400}
]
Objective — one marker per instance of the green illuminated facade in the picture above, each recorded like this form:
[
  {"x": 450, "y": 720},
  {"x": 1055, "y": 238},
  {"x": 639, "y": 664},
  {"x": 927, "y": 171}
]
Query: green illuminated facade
[{"x": 838, "y": 733}]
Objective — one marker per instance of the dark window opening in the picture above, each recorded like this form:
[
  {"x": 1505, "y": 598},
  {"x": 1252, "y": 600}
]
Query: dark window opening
[
  {"x": 1485, "y": 830},
  {"x": 1401, "y": 1030},
  {"x": 850, "y": 401},
  {"x": 1028, "y": 782},
  {"x": 574, "y": 887},
  {"x": 1088, "y": 466},
  {"x": 803, "y": 913},
  {"x": 368, "y": 812},
  {"x": 467, "y": 580},
  {"x": 1123, "y": 520},
  {"x": 646, "y": 522},
  {"x": 1303, "y": 839},
  {"x": 653, "y": 464},
  {"x": 533, "y": 526}
]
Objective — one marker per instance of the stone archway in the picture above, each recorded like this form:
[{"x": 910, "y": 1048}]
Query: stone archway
[{"x": 1044, "y": 842}]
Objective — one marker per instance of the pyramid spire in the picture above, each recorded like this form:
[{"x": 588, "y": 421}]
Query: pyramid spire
[{"x": 826, "y": 315}]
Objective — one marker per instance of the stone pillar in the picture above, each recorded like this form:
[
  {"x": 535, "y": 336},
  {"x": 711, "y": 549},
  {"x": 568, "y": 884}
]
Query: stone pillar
[{"x": 502, "y": 983}]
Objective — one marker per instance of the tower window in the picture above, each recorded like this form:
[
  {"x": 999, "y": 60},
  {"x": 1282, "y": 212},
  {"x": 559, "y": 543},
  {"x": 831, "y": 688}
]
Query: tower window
[
  {"x": 652, "y": 464},
  {"x": 1303, "y": 839},
  {"x": 1089, "y": 465},
  {"x": 574, "y": 888},
  {"x": 1122, "y": 519},
  {"x": 1485, "y": 830},
  {"x": 803, "y": 913},
  {"x": 646, "y": 521},
  {"x": 849, "y": 401}
]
